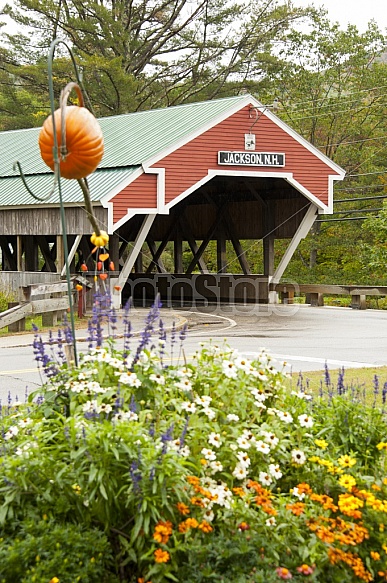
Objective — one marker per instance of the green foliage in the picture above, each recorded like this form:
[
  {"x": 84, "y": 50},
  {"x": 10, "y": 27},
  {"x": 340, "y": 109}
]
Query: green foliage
[
  {"x": 34, "y": 552},
  {"x": 6, "y": 296},
  {"x": 152, "y": 470},
  {"x": 153, "y": 54}
]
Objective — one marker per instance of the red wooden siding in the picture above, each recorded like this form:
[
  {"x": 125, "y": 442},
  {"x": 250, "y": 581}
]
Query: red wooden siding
[
  {"x": 190, "y": 163},
  {"x": 141, "y": 193}
]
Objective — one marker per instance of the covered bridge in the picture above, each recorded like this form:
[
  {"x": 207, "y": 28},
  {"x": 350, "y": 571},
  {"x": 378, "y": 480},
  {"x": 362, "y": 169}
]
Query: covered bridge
[{"x": 223, "y": 170}]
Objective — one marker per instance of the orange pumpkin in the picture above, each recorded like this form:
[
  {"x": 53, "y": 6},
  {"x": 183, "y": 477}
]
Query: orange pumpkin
[{"x": 84, "y": 142}]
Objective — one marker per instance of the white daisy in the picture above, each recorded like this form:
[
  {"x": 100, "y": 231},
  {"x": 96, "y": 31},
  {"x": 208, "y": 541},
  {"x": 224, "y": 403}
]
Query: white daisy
[
  {"x": 25, "y": 422},
  {"x": 262, "y": 446},
  {"x": 240, "y": 472},
  {"x": 157, "y": 378},
  {"x": 209, "y": 412},
  {"x": 243, "y": 364},
  {"x": 125, "y": 416},
  {"x": 265, "y": 478},
  {"x": 209, "y": 515},
  {"x": 232, "y": 417},
  {"x": 285, "y": 416},
  {"x": 189, "y": 407},
  {"x": 12, "y": 432},
  {"x": 184, "y": 385},
  {"x": 274, "y": 470},
  {"x": 204, "y": 400},
  {"x": 184, "y": 451},
  {"x": 271, "y": 438},
  {"x": 229, "y": 369},
  {"x": 243, "y": 442},
  {"x": 90, "y": 406},
  {"x": 215, "y": 466},
  {"x": 184, "y": 372},
  {"x": 305, "y": 421},
  {"x": 130, "y": 379},
  {"x": 208, "y": 454},
  {"x": 298, "y": 457},
  {"x": 243, "y": 458},
  {"x": 104, "y": 408},
  {"x": 271, "y": 521},
  {"x": 214, "y": 439},
  {"x": 297, "y": 493}
]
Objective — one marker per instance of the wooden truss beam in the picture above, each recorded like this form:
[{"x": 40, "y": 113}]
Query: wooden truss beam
[
  {"x": 191, "y": 241},
  {"x": 136, "y": 249},
  {"x": 164, "y": 243},
  {"x": 205, "y": 241},
  {"x": 9, "y": 256},
  {"x": 156, "y": 261},
  {"x": 240, "y": 253},
  {"x": 301, "y": 233},
  {"x": 49, "y": 260}
]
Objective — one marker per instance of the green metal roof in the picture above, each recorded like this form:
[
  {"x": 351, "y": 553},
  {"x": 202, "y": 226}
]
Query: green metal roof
[
  {"x": 13, "y": 192},
  {"x": 130, "y": 139}
]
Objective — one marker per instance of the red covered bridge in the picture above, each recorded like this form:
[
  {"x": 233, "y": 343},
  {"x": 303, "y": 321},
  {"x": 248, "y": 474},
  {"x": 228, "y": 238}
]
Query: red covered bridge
[{"x": 223, "y": 170}]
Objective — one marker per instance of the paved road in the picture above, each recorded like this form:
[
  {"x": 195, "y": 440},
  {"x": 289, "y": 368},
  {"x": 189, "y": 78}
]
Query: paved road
[{"x": 303, "y": 336}]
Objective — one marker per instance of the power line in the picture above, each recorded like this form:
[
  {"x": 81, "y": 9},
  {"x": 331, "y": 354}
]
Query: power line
[
  {"x": 368, "y": 89},
  {"x": 347, "y": 212},
  {"x": 360, "y": 198},
  {"x": 343, "y": 219}
]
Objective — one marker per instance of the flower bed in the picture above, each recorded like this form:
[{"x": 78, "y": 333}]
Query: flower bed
[{"x": 137, "y": 466}]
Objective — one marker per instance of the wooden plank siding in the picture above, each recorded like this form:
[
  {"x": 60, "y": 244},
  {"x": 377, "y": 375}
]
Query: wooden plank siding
[
  {"x": 190, "y": 163},
  {"x": 46, "y": 221},
  {"x": 142, "y": 193}
]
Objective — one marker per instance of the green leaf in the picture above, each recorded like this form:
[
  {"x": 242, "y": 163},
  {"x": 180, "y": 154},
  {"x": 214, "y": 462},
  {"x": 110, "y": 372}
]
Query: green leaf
[{"x": 103, "y": 491}]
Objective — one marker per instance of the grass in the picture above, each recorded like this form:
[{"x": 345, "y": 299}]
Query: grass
[
  {"x": 361, "y": 378},
  {"x": 37, "y": 320}
]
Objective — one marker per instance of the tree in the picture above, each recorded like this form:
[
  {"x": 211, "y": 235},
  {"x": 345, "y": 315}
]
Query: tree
[
  {"x": 332, "y": 91},
  {"x": 138, "y": 54}
]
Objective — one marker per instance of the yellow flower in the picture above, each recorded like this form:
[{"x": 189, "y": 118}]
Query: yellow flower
[
  {"x": 347, "y": 481},
  {"x": 321, "y": 443},
  {"x": 333, "y": 470},
  {"x": 346, "y": 461},
  {"x": 54, "y": 580},
  {"x": 375, "y": 556},
  {"x": 384, "y": 547},
  {"x": 382, "y": 445},
  {"x": 76, "y": 488}
]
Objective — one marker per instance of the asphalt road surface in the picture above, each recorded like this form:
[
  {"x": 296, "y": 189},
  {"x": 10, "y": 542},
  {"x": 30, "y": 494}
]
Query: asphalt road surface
[{"x": 302, "y": 336}]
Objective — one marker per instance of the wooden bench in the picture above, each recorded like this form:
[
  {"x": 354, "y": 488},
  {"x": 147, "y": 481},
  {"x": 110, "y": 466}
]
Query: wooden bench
[{"x": 315, "y": 293}]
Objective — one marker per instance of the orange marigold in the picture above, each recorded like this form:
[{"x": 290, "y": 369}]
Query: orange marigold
[
  {"x": 304, "y": 488},
  {"x": 197, "y": 501},
  {"x": 205, "y": 526},
  {"x": 187, "y": 524},
  {"x": 183, "y": 508},
  {"x": 161, "y": 556},
  {"x": 297, "y": 509},
  {"x": 162, "y": 532}
]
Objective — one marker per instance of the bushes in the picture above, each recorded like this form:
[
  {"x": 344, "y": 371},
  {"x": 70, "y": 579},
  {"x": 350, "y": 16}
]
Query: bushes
[
  {"x": 38, "y": 551},
  {"x": 6, "y": 296},
  {"x": 201, "y": 471}
]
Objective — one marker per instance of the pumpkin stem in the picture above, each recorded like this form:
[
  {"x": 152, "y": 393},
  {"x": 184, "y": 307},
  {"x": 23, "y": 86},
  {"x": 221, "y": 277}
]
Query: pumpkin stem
[
  {"x": 64, "y": 95},
  {"x": 89, "y": 209}
]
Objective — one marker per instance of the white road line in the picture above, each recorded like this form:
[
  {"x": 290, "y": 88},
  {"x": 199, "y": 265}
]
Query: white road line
[{"x": 330, "y": 362}]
